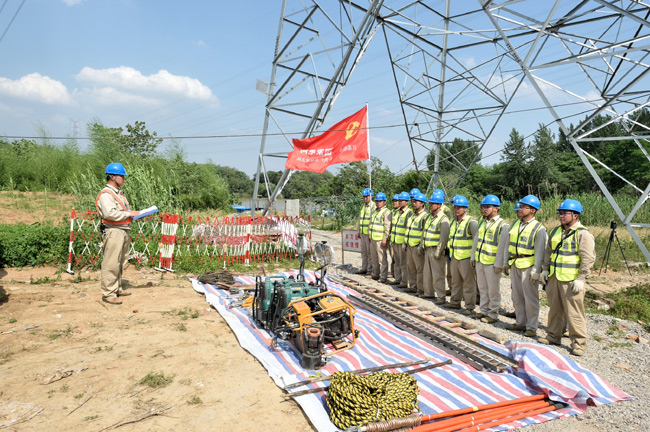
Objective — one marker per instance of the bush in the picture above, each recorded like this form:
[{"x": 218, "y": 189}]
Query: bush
[{"x": 32, "y": 245}]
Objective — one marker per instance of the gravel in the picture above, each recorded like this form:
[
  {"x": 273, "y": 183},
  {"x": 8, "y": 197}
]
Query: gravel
[{"x": 612, "y": 353}]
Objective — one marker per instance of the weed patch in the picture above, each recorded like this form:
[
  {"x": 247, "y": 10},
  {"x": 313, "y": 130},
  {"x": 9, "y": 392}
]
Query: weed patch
[
  {"x": 194, "y": 400},
  {"x": 156, "y": 380}
]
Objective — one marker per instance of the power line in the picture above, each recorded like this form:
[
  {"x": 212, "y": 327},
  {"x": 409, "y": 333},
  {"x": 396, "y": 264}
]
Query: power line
[{"x": 12, "y": 18}]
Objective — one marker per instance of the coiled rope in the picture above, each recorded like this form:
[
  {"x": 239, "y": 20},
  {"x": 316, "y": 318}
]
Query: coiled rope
[{"x": 356, "y": 400}]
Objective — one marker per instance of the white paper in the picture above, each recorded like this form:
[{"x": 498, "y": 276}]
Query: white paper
[{"x": 146, "y": 212}]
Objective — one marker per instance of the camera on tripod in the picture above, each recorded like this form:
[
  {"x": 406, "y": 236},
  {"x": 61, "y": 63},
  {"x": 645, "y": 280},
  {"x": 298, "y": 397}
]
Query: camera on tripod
[{"x": 612, "y": 225}]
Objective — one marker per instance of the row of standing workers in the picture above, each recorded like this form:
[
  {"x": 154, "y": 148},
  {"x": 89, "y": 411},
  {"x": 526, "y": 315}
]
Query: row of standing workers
[{"x": 445, "y": 252}]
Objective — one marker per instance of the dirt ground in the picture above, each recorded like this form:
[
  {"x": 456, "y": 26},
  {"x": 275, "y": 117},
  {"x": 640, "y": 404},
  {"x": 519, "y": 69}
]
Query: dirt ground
[{"x": 164, "y": 327}]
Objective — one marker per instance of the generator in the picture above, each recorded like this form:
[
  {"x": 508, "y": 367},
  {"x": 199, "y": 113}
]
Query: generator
[{"x": 305, "y": 313}]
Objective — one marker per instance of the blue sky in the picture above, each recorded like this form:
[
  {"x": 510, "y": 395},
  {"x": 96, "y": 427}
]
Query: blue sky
[{"x": 185, "y": 68}]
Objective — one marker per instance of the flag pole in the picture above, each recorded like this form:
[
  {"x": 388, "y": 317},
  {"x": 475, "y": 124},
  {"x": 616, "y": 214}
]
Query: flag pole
[{"x": 368, "y": 144}]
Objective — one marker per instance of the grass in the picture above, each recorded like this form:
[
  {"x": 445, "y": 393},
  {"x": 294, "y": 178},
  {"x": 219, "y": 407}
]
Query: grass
[
  {"x": 156, "y": 380},
  {"x": 91, "y": 418},
  {"x": 180, "y": 327},
  {"x": 12, "y": 320},
  {"x": 194, "y": 400},
  {"x": 184, "y": 313},
  {"x": 632, "y": 304},
  {"x": 57, "y": 334}
]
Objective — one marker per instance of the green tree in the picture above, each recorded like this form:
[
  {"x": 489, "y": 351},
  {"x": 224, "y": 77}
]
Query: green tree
[
  {"x": 455, "y": 157},
  {"x": 111, "y": 143},
  {"x": 543, "y": 167},
  {"x": 305, "y": 184},
  {"x": 238, "y": 181},
  {"x": 514, "y": 168}
]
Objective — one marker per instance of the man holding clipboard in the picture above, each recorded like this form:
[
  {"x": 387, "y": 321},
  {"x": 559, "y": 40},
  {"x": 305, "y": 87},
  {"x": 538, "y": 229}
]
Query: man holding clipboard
[{"x": 116, "y": 216}]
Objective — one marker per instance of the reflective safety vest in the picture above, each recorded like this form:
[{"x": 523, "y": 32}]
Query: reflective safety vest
[
  {"x": 395, "y": 216},
  {"x": 415, "y": 228},
  {"x": 376, "y": 229},
  {"x": 432, "y": 229},
  {"x": 488, "y": 241},
  {"x": 399, "y": 228},
  {"x": 364, "y": 217},
  {"x": 123, "y": 202},
  {"x": 460, "y": 239},
  {"x": 565, "y": 261},
  {"x": 522, "y": 244}
]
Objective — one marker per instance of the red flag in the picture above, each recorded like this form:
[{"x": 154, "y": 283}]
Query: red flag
[{"x": 346, "y": 141}]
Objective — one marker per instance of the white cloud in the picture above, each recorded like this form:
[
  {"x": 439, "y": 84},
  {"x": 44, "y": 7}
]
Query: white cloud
[
  {"x": 127, "y": 78},
  {"x": 72, "y": 2},
  {"x": 200, "y": 43},
  {"x": 36, "y": 87},
  {"x": 112, "y": 96}
]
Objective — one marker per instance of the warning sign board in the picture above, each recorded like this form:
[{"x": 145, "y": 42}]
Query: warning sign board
[{"x": 350, "y": 241}]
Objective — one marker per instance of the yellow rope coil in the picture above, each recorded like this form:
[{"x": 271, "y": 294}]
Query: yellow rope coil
[{"x": 358, "y": 400}]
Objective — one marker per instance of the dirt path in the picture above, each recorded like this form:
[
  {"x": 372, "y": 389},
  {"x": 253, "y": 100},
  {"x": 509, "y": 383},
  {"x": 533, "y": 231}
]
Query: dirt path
[{"x": 163, "y": 327}]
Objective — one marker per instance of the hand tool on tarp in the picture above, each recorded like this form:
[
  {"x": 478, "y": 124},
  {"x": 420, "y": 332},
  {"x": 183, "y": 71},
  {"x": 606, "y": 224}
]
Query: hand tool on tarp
[
  {"x": 358, "y": 371},
  {"x": 482, "y": 416},
  {"x": 410, "y": 372}
]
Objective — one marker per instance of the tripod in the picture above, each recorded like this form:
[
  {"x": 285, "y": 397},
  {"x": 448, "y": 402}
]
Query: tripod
[{"x": 613, "y": 236}]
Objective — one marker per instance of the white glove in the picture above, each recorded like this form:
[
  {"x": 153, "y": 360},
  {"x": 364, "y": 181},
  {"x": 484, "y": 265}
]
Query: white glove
[
  {"x": 543, "y": 278},
  {"x": 534, "y": 277},
  {"x": 498, "y": 270},
  {"x": 404, "y": 246},
  {"x": 438, "y": 253},
  {"x": 472, "y": 262},
  {"x": 578, "y": 286}
]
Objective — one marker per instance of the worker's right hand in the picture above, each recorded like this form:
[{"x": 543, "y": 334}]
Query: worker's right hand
[
  {"x": 472, "y": 262},
  {"x": 543, "y": 277},
  {"x": 534, "y": 277}
]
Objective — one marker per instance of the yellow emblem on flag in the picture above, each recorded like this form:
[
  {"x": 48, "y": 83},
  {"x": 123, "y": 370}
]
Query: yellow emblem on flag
[{"x": 352, "y": 129}]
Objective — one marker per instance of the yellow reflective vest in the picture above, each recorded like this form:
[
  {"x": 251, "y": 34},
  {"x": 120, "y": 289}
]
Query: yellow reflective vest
[
  {"x": 432, "y": 229},
  {"x": 401, "y": 225},
  {"x": 522, "y": 244},
  {"x": 565, "y": 261},
  {"x": 395, "y": 216},
  {"x": 488, "y": 241},
  {"x": 460, "y": 239},
  {"x": 415, "y": 228},
  {"x": 364, "y": 217},
  {"x": 376, "y": 230}
]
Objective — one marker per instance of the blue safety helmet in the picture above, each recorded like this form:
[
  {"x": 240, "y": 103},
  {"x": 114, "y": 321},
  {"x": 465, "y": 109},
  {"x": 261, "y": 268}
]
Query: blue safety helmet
[
  {"x": 414, "y": 192},
  {"x": 116, "y": 168},
  {"x": 367, "y": 192},
  {"x": 517, "y": 206},
  {"x": 491, "y": 200},
  {"x": 438, "y": 197},
  {"x": 531, "y": 200},
  {"x": 380, "y": 196},
  {"x": 571, "y": 204},
  {"x": 420, "y": 197},
  {"x": 460, "y": 201},
  {"x": 396, "y": 197},
  {"x": 404, "y": 196}
]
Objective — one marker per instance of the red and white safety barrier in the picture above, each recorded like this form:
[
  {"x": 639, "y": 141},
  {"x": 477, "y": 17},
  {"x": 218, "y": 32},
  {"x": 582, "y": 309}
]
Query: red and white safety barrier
[{"x": 167, "y": 241}]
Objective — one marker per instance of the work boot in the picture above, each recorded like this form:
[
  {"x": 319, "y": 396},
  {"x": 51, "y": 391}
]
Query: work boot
[
  {"x": 368, "y": 276},
  {"x": 578, "y": 352},
  {"x": 382, "y": 280},
  {"x": 393, "y": 282},
  {"x": 112, "y": 300},
  {"x": 515, "y": 327},
  {"x": 123, "y": 294},
  {"x": 531, "y": 333},
  {"x": 479, "y": 316},
  {"x": 466, "y": 312},
  {"x": 360, "y": 272},
  {"x": 546, "y": 341},
  {"x": 374, "y": 277},
  {"x": 440, "y": 302},
  {"x": 448, "y": 292},
  {"x": 489, "y": 320},
  {"x": 452, "y": 306},
  {"x": 510, "y": 315}
]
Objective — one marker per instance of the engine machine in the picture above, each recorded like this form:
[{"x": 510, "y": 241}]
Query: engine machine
[{"x": 305, "y": 313}]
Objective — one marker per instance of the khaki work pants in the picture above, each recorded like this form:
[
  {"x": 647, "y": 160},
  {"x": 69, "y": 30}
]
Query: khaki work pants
[
  {"x": 379, "y": 259},
  {"x": 397, "y": 259},
  {"x": 366, "y": 265},
  {"x": 404, "y": 269},
  {"x": 488, "y": 287},
  {"x": 565, "y": 306},
  {"x": 463, "y": 283},
  {"x": 434, "y": 274},
  {"x": 525, "y": 297},
  {"x": 415, "y": 264},
  {"x": 116, "y": 255}
]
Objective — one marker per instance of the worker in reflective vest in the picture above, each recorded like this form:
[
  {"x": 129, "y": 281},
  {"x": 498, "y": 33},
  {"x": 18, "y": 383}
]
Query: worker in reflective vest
[
  {"x": 463, "y": 277},
  {"x": 414, "y": 251},
  {"x": 363, "y": 226},
  {"x": 568, "y": 258},
  {"x": 434, "y": 242},
  {"x": 116, "y": 218},
  {"x": 525, "y": 260},
  {"x": 379, "y": 233},
  {"x": 399, "y": 241},
  {"x": 394, "y": 214},
  {"x": 490, "y": 258}
]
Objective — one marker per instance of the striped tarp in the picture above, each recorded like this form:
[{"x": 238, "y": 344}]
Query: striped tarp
[{"x": 541, "y": 369}]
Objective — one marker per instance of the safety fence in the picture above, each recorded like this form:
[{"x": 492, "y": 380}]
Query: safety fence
[{"x": 164, "y": 239}]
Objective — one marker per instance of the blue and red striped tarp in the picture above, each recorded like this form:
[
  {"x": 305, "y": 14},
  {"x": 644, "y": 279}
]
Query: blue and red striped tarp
[{"x": 541, "y": 368}]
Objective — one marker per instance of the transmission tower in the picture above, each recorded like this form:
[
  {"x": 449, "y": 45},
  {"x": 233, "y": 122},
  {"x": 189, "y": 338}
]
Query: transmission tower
[{"x": 462, "y": 67}]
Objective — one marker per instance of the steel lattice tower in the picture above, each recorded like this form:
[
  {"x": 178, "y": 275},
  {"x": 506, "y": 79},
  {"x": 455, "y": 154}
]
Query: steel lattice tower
[{"x": 582, "y": 59}]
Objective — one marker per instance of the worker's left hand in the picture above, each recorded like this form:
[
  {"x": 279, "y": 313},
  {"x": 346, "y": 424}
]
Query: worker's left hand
[
  {"x": 498, "y": 270},
  {"x": 472, "y": 262},
  {"x": 383, "y": 243},
  {"x": 577, "y": 286}
]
